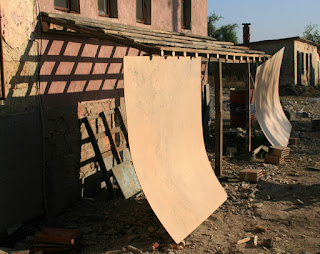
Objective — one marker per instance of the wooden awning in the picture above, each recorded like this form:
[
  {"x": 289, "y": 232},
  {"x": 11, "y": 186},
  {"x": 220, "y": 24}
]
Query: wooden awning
[{"x": 156, "y": 42}]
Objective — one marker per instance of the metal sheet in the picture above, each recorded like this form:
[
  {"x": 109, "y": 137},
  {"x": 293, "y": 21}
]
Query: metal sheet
[
  {"x": 163, "y": 105},
  {"x": 269, "y": 111},
  {"x": 127, "y": 179}
]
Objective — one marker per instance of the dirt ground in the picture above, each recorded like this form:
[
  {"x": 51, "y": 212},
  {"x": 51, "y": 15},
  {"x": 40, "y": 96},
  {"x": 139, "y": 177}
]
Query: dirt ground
[{"x": 285, "y": 204}]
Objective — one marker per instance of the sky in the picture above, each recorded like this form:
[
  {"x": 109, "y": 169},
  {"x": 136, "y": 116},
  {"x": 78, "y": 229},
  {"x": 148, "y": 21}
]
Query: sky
[{"x": 270, "y": 19}]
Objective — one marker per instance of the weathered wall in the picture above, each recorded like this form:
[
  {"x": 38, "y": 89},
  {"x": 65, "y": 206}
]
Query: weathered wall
[
  {"x": 287, "y": 74},
  {"x": 165, "y": 14},
  {"x": 311, "y": 76},
  {"x": 78, "y": 77},
  {"x": 21, "y": 155}
]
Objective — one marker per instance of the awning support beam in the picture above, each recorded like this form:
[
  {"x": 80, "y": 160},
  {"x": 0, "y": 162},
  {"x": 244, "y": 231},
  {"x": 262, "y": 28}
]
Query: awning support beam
[{"x": 218, "y": 117}]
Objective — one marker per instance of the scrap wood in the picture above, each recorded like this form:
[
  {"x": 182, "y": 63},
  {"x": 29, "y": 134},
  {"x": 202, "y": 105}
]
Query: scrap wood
[
  {"x": 57, "y": 240},
  {"x": 255, "y": 241},
  {"x": 58, "y": 236},
  {"x": 314, "y": 168},
  {"x": 244, "y": 240}
]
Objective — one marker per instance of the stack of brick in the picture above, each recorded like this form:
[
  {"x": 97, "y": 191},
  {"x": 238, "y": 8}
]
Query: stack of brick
[
  {"x": 250, "y": 175},
  {"x": 277, "y": 154},
  {"x": 294, "y": 141},
  {"x": 57, "y": 240}
]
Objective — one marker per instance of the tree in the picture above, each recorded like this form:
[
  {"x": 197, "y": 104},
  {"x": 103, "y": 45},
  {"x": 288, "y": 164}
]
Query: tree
[
  {"x": 223, "y": 33},
  {"x": 312, "y": 33}
]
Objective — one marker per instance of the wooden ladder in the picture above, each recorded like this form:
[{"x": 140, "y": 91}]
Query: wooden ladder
[{"x": 109, "y": 132}]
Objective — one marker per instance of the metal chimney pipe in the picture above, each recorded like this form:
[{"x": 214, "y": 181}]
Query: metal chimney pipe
[{"x": 246, "y": 34}]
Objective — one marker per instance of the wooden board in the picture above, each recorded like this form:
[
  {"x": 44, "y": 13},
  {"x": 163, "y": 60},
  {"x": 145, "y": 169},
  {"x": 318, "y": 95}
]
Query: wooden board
[{"x": 163, "y": 106}]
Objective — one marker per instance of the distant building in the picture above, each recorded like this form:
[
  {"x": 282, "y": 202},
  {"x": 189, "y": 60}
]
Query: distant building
[{"x": 300, "y": 61}]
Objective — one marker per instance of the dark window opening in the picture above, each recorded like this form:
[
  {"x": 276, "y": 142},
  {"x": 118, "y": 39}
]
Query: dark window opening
[
  {"x": 143, "y": 11},
  {"x": 298, "y": 68},
  {"x": 67, "y": 5},
  {"x": 302, "y": 63},
  {"x": 108, "y": 8},
  {"x": 307, "y": 63},
  {"x": 186, "y": 14},
  {"x": 2, "y": 83}
]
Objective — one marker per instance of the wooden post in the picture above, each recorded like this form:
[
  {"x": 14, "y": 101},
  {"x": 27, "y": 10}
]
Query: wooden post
[
  {"x": 218, "y": 118},
  {"x": 248, "y": 112}
]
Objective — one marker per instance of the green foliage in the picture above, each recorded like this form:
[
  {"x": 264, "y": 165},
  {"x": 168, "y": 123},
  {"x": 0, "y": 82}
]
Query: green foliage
[
  {"x": 312, "y": 33},
  {"x": 223, "y": 33}
]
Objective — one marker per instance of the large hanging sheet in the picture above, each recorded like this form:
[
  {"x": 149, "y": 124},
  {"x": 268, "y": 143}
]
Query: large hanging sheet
[
  {"x": 163, "y": 107},
  {"x": 269, "y": 111}
]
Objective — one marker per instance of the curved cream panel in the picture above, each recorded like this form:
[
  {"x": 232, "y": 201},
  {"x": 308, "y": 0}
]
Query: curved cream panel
[
  {"x": 269, "y": 112},
  {"x": 163, "y": 106}
]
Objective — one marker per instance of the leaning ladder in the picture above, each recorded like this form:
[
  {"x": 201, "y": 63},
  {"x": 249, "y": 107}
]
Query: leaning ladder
[{"x": 109, "y": 132}]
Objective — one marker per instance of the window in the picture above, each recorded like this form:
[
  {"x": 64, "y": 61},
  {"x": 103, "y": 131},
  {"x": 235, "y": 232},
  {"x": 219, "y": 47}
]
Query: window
[
  {"x": 299, "y": 68},
  {"x": 186, "y": 14},
  {"x": 2, "y": 83},
  {"x": 143, "y": 11},
  {"x": 302, "y": 63},
  {"x": 108, "y": 8},
  {"x": 67, "y": 5}
]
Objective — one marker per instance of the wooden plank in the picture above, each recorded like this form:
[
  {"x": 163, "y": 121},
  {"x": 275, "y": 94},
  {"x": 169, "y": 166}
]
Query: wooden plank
[
  {"x": 218, "y": 117},
  {"x": 101, "y": 34},
  {"x": 122, "y": 124},
  {"x": 103, "y": 154},
  {"x": 94, "y": 117},
  {"x": 130, "y": 32},
  {"x": 69, "y": 16},
  {"x": 248, "y": 110},
  {"x": 119, "y": 148},
  {"x": 99, "y": 158},
  {"x": 111, "y": 138}
]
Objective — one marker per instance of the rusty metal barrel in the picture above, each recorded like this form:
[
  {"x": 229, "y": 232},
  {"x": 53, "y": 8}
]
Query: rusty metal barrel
[{"x": 238, "y": 107}]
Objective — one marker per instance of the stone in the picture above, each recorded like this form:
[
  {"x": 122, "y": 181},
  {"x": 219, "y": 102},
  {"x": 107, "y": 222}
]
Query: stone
[
  {"x": 260, "y": 229},
  {"x": 5, "y": 250},
  {"x": 150, "y": 229},
  {"x": 268, "y": 243},
  {"x": 257, "y": 205}
]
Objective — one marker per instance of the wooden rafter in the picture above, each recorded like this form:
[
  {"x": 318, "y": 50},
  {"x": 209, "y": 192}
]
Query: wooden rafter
[{"x": 157, "y": 42}]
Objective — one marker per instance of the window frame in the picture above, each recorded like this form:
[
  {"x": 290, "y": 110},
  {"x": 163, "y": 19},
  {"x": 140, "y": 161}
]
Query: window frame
[
  {"x": 2, "y": 79},
  {"x": 183, "y": 14},
  {"x": 63, "y": 8},
  {"x": 186, "y": 7},
  {"x": 108, "y": 14},
  {"x": 143, "y": 12}
]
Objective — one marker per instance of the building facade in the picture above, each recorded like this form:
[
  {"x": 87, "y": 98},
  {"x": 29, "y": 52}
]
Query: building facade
[
  {"x": 300, "y": 61},
  {"x": 53, "y": 79}
]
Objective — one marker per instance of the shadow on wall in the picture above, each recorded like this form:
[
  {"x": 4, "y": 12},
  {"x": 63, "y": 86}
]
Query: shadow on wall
[{"x": 78, "y": 76}]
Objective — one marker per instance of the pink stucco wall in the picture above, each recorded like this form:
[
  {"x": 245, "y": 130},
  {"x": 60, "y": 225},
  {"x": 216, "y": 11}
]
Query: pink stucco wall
[
  {"x": 165, "y": 14},
  {"x": 74, "y": 69}
]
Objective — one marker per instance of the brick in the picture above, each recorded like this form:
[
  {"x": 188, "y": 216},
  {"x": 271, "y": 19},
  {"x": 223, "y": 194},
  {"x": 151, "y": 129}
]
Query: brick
[
  {"x": 294, "y": 141},
  {"x": 280, "y": 151},
  {"x": 273, "y": 159},
  {"x": 251, "y": 175}
]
